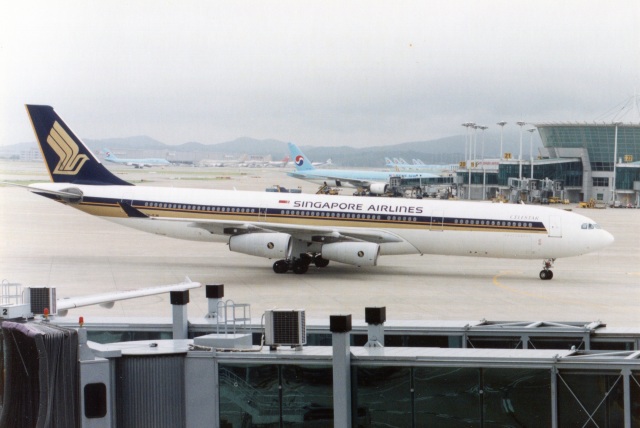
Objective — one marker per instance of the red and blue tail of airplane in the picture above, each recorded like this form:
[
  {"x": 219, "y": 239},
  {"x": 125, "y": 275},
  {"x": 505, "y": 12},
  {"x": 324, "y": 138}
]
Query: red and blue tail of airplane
[
  {"x": 67, "y": 158},
  {"x": 301, "y": 162}
]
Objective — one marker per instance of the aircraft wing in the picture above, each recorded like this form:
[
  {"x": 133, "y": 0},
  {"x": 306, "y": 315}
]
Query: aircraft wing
[
  {"x": 302, "y": 232},
  {"x": 107, "y": 299}
]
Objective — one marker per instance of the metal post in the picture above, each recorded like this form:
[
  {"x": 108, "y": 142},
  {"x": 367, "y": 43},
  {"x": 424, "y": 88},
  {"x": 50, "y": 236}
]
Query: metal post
[
  {"x": 626, "y": 385},
  {"x": 179, "y": 300},
  {"x": 214, "y": 293},
  {"x": 340, "y": 326},
  {"x": 554, "y": 397},
  {"x": 375, "y": 318}
]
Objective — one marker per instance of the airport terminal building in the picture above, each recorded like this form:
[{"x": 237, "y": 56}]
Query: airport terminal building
[{"x": 599, "y": 162}]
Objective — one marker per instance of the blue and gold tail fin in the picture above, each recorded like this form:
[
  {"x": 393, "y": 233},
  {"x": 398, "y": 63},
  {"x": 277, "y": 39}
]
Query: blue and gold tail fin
[
  {"x": 301, "y": 162},
  {"x": 67, "y": 158}
]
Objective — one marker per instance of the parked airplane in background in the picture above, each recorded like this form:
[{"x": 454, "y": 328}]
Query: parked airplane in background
[
  {"x": 227, "y": 161},
  {"x": 281, "y": 163},
  {"x": 325, "y": 163},
  {"x": 298, "y": 229},
  {"x": 138, "y": 163},
  {"x": 375, "y": 181},
  {"x": 399, "y": 164}
]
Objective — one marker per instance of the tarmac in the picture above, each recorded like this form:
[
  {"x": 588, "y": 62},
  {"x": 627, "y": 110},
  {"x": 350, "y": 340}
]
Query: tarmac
[{"x": 48, "y": 244}]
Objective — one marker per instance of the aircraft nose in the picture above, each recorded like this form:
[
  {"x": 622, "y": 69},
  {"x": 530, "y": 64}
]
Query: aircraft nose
[{"x": 605, "y": 239}]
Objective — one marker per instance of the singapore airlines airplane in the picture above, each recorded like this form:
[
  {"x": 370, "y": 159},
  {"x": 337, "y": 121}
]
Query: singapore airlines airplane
[{"x": 300, "y": 229}]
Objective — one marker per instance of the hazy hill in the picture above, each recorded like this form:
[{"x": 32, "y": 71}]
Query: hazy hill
[{"x": 442, "y": 150}]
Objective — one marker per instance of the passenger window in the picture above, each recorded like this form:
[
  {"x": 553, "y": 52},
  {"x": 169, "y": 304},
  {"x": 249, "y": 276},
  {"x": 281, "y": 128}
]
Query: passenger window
[{"x": 584, "y": 225}]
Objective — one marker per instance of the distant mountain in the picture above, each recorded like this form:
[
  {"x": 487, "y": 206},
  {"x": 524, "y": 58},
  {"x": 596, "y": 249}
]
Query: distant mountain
[
  {"x": 442, "y": 150},
  {"x": 140, "y": 142},
  {"x": 251, "y": 146}
]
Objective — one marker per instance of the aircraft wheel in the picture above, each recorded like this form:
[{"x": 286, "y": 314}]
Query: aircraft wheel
[
  {"x": 281, "y": 266},
  {"x": 320, "y": 262},
  {"x": 300, "y": 268},
  {"x": 546, "y": 274}
]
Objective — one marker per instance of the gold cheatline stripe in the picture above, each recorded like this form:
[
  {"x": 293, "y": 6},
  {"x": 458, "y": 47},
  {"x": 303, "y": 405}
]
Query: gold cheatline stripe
[{"x": 113, "y": 210}]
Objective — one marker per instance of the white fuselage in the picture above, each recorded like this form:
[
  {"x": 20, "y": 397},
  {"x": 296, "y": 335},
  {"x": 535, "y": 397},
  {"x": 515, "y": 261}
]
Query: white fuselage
[{"x": 426, "y": 226}]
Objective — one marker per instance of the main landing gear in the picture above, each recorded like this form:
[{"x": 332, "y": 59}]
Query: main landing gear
[
  {"x": 546, "y": 273},
  {"x": 299, "y": 265}
]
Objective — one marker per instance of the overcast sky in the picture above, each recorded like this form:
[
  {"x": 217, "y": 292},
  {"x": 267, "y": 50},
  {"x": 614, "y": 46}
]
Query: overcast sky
[{"x": 316, "y": 73}]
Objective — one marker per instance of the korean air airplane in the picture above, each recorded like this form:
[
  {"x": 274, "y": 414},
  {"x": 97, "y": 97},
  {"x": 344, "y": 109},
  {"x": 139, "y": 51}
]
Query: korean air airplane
[
  {"x": 138, "y": 163},
  {"x": 299, "y": 229},
  {"x": 376, "y": 182}
]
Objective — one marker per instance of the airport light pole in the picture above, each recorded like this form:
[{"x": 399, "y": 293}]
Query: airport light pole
[
  {"x": 467, "y": 154},
  {"x": 531, "y": 148},
  {"x": 520, "y": 124},
  {"x": 466, "y": 131},
  {"x": 466, "y": 138},
  {"x": 502, "y": 124},
  {"x": 615, "y": 160},
  {"x": 475, "y": 142},
  {"x": 484, "y": 172}
]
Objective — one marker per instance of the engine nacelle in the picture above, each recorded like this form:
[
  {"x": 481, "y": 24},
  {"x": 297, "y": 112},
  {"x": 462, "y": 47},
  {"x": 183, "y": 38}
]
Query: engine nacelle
[
  {"x": 269, "y": 245},
  {"x": 378, "y": 188},
  {"x": 352, "y": 253}
]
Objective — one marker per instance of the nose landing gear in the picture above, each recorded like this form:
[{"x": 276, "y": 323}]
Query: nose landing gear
[{"x": 546, "y": 273}]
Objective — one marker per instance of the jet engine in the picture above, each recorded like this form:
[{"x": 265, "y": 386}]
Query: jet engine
[
  {"x": 378, "y": 188},
  {"x": 352, "y": 253},
  {"x": 269, "y": 245}
]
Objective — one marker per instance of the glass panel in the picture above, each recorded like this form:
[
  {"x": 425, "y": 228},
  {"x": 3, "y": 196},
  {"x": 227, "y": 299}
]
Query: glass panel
[
  {"x": 516, "y": 397},
  {"x": 601, "y": 395},
  {"x": 383, "y": 397},
  {"x": 447, "y": 396},
  {"x": 249, "y": 395},
  {"x": 307, "y": 396}
]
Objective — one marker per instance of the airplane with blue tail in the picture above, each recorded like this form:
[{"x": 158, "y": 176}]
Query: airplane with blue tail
[
  {"x": 299, "y": 229},
  {"x": 376, "y": 182},
  {"x": 138, "y": 163}
]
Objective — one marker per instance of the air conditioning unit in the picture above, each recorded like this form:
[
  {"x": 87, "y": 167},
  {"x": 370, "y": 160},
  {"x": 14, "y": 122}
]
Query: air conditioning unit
[
  {"x": 41, "y": 298},
  {"x": 285, "y": 327}
]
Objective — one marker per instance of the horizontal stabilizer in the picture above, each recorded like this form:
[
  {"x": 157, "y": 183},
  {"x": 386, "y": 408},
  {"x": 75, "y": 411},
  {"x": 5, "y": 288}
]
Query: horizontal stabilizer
[{"x": 71, "y": 194}]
